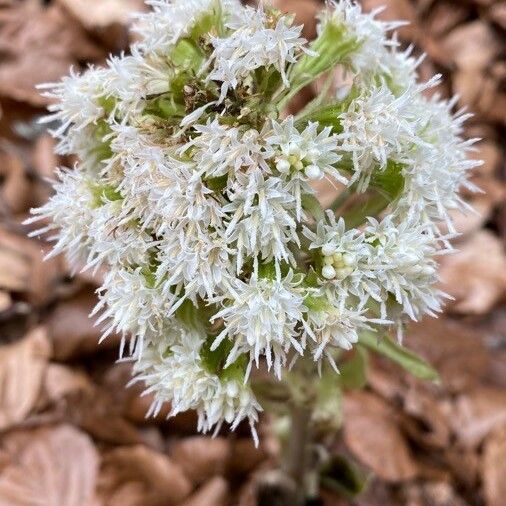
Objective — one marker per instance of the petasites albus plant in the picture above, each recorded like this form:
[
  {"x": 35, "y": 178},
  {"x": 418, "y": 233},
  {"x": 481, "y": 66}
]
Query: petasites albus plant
[{"x": 193, "y": 191}]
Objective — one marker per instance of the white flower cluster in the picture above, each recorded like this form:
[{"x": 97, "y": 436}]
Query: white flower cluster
[{"x": 195, "y": 195}]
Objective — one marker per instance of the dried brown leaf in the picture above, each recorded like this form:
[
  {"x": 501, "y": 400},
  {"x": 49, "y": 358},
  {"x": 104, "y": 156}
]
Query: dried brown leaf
[
  {"x": 472, "y": 46},
  {"x": 475, "y": 414},
  {"x": 40, "y": 45},
  {"x": 494, "y": 468},
  {"x": 162, "y": 480},
  {"x": 15, "y": 190},
  {"x": 372, "y": 434},
  {"x": 94, "y": 14},
  {"x": 61, "y": 381},
  {"x": 201, "y": 457},
  {"x": 72, "y": 331},
  {"x": 22, "y": 367},
  {"x": 396, "y": 10},
  {"x": 5, "y": 301},
  {"x": 57, "y": 468},
  {"x": 455, "y": 350},
  {"x": 23, "y": 269},
  {"x": 476, "y": 275},
  {"x": 213, "y": 493}
]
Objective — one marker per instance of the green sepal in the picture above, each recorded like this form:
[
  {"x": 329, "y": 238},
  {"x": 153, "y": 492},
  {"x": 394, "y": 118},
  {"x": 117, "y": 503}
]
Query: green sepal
[
  {"x": 332, "y": 46},
  {"x": 103, "y": 194},
  {"x": 217, "y": 184},
  {"x": 407, "y": 359},
  {"x": 214, "y": 361},
  {"x": 385, "y": 187},
  {"x": 311, "y": 204},
  {"x": 190, "y": 315},
  {"x": 187, "y": 55},
  {"x": 165, "y": 107}
]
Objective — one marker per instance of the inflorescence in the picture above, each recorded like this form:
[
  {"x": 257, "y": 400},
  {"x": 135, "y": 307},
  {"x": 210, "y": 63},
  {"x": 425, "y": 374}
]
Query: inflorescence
[{"x": 194, "y": 193}]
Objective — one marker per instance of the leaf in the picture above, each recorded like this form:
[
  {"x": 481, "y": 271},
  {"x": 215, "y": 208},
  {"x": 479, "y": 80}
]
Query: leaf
[
  {"x": 372, "y": 433},
  {"x": 414, "y": 364},
  {"x": 58, "y": 467},
  {"x": 22, "y": 367},
  {"x": 213, "y": 493},
  {"x": 354, "y": 371},
  {"x": 161, "y": 480}
]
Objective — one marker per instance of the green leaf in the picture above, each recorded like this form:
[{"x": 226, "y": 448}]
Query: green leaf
[
  {"x": 407, "y": 359},
  {"x": 354, "y": 371}
]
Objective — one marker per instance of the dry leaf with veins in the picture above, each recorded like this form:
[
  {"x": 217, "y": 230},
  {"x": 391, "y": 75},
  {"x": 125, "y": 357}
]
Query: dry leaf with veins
[{"x": 57, "y": 467}]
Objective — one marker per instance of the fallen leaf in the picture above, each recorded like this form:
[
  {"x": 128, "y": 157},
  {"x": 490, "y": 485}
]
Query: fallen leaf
[
  {"x": 455, "y": 350},
  {"x": 15, "y": 190},
  {"x": 102, "y": 13},
  {"x": 61, "y": 381},
  {"x": 494, "y": 468},
  {"x": 476, "y": 275},
  {"x": 162, "y": 480},
  {"x": 72, "y": 331},
  {"x": 57, "y": 468},
  {"x": 212, "y": 493},
  {"x": 40, "y": 44},
  {"x": 444, "y": 16},
  {"x": 476, "y": 413},
  {"x": 201, "y": 457},
  {"x": 472, "y": 46},
  {"x": 372, "y": 434},
  {"x": 23, "y": 269},
  {"x": 22, "y": 367},
  {"x": 5, "y": 301},
  {"x": 245, "y": 456},
  {"x": 497, "y": 14}
]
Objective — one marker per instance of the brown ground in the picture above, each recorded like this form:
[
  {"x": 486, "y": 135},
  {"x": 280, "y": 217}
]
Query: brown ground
[{"x": 72, "y": 435}]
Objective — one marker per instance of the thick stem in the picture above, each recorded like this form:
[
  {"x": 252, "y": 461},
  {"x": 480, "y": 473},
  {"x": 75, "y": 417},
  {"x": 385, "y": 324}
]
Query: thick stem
[{"x": 298, "y": 449}]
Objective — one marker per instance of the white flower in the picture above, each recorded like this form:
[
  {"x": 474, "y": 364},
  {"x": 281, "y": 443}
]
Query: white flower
[
  {"x": 335, "y": 326},
  {"x": 117, "y": 239},
  {"x": 219, "y": 150},
  {"x": 170, "y": 20},
  {"x": 302, "y": 156},
  {"x": 261, "y": 317},
  {"x": 196, "y": 259},
  {"x": 402, "y": 260},
  {"x": 378, "y": 127},
  {"x": 370, "y": 33},
  {"x": 175, "y": 373},
  {"x": 77, "y": 100},
  {"x": 131, "y": 304},
  {"x": 440, "y": 166},
  {"x": 253, "y": 44},
  {"x": 134, "y": 78},
  {"x": 70, "y": 214},
  {"x": 261, "y": 222}
]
